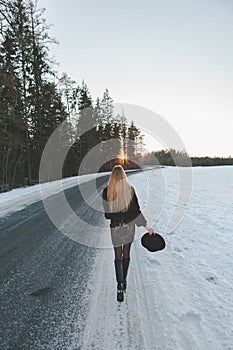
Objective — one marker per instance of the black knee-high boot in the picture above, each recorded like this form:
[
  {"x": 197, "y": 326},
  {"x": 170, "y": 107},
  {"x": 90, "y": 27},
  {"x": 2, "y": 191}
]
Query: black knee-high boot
[
  {"x": 125, "y": 270},
  {"x": 119, "y": 278}
]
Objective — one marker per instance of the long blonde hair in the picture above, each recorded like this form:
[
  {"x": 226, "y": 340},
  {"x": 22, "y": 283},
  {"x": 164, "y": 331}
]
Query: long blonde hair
[{"x": 119, "y": 192}]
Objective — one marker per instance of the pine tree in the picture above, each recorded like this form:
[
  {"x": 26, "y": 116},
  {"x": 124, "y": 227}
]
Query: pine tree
[
  {"x": 116, "y": 135},
  {"x": 69, "y": 92},
  {"x": 106, "y": 114},
  {"x": 107, "y": 108},
  {"x": 86, "y": 127},
  {"x": 53, "y": 114},
  {"x": 12, "y": 127},
  {"x": 25, "y": 42},
  {"x": 99, "y": 121},
  {"x": 131, "y": 141},
  {"x": 134, "y": 140},
  {"x": 16, "y": 47},
  {"x": 123, "y": 122}
]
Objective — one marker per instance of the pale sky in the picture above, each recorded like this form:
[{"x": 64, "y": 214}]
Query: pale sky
[{"x": 174, "y": 57}]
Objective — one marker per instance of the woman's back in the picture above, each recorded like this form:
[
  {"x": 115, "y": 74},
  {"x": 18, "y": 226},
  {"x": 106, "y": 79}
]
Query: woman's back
[{"x": 132, "y": 213}]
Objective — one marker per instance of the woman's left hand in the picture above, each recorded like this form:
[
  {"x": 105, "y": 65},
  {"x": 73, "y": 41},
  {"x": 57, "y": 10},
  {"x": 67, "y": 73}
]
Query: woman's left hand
[{"x": 150, "y": 231}]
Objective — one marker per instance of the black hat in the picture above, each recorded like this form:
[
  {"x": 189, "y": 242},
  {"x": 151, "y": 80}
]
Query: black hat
[{"x": 153, "y": 242}]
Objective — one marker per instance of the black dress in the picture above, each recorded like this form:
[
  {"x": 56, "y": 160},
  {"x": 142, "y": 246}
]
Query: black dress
[{"x": 123, "y": 223}]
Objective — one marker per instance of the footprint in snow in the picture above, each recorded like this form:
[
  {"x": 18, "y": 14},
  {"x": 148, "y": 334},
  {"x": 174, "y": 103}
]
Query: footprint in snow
[
  {"x": 191, "y": 318},
  {"x": 178, "y": 250},
  {"x": 211, "y": 279},
  {"x": 153, "y": 262}
]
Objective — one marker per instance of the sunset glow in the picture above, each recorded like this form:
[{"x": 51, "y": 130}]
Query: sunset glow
[{"x": 122, "y": 157}]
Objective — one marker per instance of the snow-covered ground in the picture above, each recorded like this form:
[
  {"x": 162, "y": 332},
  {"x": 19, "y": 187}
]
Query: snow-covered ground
[{"x": 180, "y": 298}]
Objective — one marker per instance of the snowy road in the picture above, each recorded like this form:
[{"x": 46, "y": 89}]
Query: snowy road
[
  {"x": 57, "y": 294},
  {"x": 43, "y": 279}
]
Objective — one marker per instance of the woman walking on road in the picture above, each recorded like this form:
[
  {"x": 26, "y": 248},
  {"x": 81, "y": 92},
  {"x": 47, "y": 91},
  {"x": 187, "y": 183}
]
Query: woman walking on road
[{"x": 121, "y": 207}]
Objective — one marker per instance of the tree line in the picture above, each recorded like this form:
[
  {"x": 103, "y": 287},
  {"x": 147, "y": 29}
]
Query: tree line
[
  {"x": 173, "y": 157},
  {"x": 34, "y": 101}
]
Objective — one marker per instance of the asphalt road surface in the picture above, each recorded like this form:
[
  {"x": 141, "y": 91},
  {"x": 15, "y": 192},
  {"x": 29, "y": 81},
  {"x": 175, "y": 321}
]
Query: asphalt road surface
[
  {"x": 44, "y": 296},
  {"x": 43, "y": 278}
]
